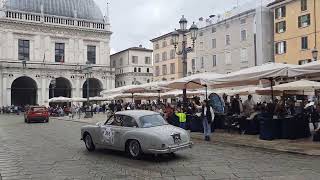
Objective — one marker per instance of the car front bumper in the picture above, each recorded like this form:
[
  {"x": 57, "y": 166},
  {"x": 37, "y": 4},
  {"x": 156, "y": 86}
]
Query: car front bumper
[{"x": 171, "y": 149}]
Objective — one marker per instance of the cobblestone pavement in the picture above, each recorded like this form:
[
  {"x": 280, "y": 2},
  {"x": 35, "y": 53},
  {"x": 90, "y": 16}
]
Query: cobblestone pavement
[{"x": 54, "y": 151}]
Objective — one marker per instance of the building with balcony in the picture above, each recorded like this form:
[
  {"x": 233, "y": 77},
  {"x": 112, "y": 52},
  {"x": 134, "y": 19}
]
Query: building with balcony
[
  {"x": 296, "y": 30},
  {"x": 44, "y": 46},
  {"x": 133, "y": 66}
]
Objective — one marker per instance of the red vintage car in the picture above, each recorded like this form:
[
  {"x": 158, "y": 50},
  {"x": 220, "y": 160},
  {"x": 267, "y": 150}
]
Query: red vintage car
[{"x": 36, "y": 114}]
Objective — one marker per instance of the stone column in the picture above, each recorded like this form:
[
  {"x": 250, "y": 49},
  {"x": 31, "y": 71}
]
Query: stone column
[
  {"x": 44, "y": 98},
  {"x": 1, "y": 85},
  {"x": 77, "y": 88},
  {"x": 4, "y": 90}
]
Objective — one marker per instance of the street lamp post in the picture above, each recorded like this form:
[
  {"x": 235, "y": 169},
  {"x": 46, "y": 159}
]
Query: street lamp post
[
  {"x": 315, "y": 54},
  {"x": 88, "y": 71},
  {"x": 184, "y": 50}
]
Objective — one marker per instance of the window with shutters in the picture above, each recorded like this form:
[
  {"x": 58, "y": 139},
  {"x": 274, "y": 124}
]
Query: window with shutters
[
  {"x": 172, "y": 54},
  {"x": 228, "y": 39},
  {"x": 281, "y": 47},
  {"x": 172, "y": 68},
  {"x": 214, "y": 43},
  {"x": 280, "y": 12},
  {"x": 304, "y": 21},
  {"x": 156, "y": 46},
  {"x": 164, "y": 69},
  {"x": 121, "y": 61},
  {"x": 147, "y": 60},
  {"x": 214, "y": 60},
  {"x": 193, "y": 64},
  {"x": 304, "y": 43},
  {"x": 156, "y": 58},
  {"x": 164, "y": 56},
  {"x": 243, "y": 55},
  {"x": 164, "y": 44},
  {"x": 304, "y": 5},
  {"x": 59, "y": 52},
  {"x": 24, "y": 50},
  {"x": 135, "y": 59},
  {"x": 281, "y": 27},
  {"x": 242, "y": 21},
  {"x": 228, "y": 58},
  {"x": 91, "y": 54},
  {"x": 243, "y": 35},
  {"x": 213, "y": 30},
  {"x": 202, "y": 62}
]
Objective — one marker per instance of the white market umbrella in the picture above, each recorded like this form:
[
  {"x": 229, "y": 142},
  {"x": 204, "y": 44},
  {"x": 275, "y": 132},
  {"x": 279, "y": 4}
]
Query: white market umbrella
[
  {"x": 78, "y": 99},
  {"x": 196, "y": 81},
  {"x": 306, "y": 69},
  {"x": 301, "y": 85},
  {"x": 119, "y": 89},
  {"x": 252, "y": 75},
  {"x": 59, "y": 100},
  {"x": 98, "y": 98}
]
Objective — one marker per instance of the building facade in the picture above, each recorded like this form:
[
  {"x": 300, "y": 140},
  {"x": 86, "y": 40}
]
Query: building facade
[
  {"x": 133, "y": 66},
  {"x": 237, "y": 41},
  {"x": 297, "y": 30},
  {"x": 44, "y": 48},
  {"x": 167, "y": 65}
]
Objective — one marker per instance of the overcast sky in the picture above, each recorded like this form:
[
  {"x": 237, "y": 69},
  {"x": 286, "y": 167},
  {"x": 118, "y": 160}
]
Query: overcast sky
[{"x": 135, "y": 22}]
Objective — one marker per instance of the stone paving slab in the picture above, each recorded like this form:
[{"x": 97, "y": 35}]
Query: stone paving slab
[
  {"x": 53, "y": 151},
  {"x": 300, "y": 146}
]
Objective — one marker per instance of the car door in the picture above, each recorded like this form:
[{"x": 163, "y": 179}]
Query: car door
[
  {"x": 106, "y": 131},
  {"x": 128, "y": 124}
]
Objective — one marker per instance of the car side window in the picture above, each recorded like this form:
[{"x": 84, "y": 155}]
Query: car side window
[
  {"x": 129, "y": 122},
  {"x": 118, "y": 120}
]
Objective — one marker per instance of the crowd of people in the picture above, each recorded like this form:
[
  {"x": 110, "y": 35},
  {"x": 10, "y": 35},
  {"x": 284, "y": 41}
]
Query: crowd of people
[
  {"x": 178, "y": 113},
  {"x": 11, "y": 109}
]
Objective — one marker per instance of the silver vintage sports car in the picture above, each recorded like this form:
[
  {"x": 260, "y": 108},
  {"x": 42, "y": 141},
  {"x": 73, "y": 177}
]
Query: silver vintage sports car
[{"x": 136, "y": 132}]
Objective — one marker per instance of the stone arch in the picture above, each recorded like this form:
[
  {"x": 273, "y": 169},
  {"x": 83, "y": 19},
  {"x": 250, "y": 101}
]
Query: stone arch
[
  {"x": 62, "y": 87},
  {"x": 95, "y": 87},
  {"x": 24, "y": 91}
]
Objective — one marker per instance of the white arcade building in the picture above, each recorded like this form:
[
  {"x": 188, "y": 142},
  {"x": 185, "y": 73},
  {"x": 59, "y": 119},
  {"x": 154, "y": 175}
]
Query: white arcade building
[{"x": 44, "y": 46}]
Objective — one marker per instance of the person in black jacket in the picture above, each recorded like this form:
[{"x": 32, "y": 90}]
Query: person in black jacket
[{"x": 207, "y": 118}]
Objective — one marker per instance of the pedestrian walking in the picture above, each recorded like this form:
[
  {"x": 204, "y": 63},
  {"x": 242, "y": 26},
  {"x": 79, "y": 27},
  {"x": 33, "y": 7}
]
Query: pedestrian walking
[{"x": 207, "y": 118}]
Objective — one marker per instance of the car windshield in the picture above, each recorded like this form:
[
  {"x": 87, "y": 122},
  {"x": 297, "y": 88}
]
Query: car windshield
[{"x": 152, "y": 121}]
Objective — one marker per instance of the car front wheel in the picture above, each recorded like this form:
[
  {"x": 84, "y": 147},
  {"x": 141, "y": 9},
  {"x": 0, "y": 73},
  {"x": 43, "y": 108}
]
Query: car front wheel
[
  {"x": 134, "y": 149},
  {"x": 89, "y": 143}
]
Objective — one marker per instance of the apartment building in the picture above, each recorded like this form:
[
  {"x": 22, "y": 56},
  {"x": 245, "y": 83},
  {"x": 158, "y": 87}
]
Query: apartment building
[
  {"x": 167, "y": 65},
  {"x": 296, "y": 30},
  {"x": 241, "y": 39},
  {"x": 133, "y": 66}
]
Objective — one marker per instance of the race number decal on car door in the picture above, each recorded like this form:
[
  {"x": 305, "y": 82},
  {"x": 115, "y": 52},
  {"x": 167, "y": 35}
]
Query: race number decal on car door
[{"x": 107, "y": 135}]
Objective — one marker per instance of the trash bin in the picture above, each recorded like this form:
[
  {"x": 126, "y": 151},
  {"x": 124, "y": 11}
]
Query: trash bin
[
  {"x": 196, "y": 124},
  {"x": 266, "y": 127}
]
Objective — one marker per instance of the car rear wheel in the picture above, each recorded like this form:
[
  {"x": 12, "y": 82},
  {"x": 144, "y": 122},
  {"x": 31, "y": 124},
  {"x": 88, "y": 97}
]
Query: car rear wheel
[
  {"x": 89, "y": 143},
  {"x": 134, "y": 149}
]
